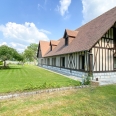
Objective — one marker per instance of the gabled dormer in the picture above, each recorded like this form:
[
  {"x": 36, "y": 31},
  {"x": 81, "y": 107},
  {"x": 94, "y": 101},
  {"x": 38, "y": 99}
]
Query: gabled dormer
[
  {"x": 43, "y": 48},
  {"x": 69, "y": 35},
  {"x": 53, "y": 44}
]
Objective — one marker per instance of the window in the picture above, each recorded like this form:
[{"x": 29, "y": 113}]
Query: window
[
  {"x": 45, "y": 61},
  {"x": 82, "y": 62},
  {"x": 114, "y": 31},
  {"x": 53, "y": 61},
  {"x": 62, "y": 62},
  {"x": 48, "y": 61},
  {"x": 66, "y": 41},
  {"x": 51, "y": 48},
  {"x": 90, "y": 63},
  {"x": 114, "y": 62}
]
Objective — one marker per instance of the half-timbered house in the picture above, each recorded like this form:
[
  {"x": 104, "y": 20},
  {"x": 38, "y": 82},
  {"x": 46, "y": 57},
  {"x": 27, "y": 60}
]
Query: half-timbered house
[{"x": 90, "y": 49}]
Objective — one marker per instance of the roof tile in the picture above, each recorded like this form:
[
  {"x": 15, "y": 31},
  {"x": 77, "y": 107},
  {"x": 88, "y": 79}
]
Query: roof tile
[{"x": 87, "y": 36}]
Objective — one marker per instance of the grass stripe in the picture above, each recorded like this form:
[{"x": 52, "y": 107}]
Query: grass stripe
[{"x": 20, "y": 78}]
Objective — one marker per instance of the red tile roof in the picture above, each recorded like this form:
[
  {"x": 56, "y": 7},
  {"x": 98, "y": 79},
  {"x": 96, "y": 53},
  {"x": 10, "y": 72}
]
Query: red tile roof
[
  {"x": 45, "y": 47},
  {"x": 87, "y": 35},
  {"x": 53, "y": 42},
  {"x": 71, "y": 33}
]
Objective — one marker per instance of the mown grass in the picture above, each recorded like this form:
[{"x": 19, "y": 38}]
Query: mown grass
[
  {"x": 99, "y": 101},
  {"x": 20, "y": 78}
]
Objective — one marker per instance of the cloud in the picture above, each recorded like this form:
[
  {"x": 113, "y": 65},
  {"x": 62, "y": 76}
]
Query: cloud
[
  {"x": 94, "y": 8},
  {"x": 45, "y": 31},
  {"x": 40, "y": 6},
  {"x": 63, "y": 7},
  {"x": 3, "y": 43},
  {"x": 27, "y": 32},
  {"x": 19, "y": 47},
  {"x": 22, "y": 34},
  {"x": 43, "y": 6},
  {"x": 67, "y": 16}
]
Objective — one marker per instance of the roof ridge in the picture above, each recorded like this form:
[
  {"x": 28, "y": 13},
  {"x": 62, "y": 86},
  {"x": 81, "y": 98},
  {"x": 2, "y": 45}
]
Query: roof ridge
[
  {"x": 71, "y": 30},
  {"x": 43, "y": 41},
  {"x": 96, "y": 18},
  {"x": 87, "y": 36}
]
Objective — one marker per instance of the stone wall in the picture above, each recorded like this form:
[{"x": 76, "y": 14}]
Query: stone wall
[
  {"x": 66, "y": 71},
  {"x": 104, "y": 75},
  {"x": 81, "y": 74}
]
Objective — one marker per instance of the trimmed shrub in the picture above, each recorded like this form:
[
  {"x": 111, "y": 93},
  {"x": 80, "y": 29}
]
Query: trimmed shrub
[{"x": 86, "y": 80}]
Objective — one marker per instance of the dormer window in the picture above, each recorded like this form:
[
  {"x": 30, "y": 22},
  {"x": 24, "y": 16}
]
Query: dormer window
[
  {"x": 69, "y": 35},
  {"x": 66, "y": 41},
  {"x": 50, "y": 47},
  {"x": 53, "y": 44}
]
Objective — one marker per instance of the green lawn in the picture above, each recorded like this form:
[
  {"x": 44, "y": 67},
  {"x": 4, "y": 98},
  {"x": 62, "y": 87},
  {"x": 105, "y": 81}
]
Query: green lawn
[
  {"x": 99, "y": 101},
  {"x": 20, "y": 78}
]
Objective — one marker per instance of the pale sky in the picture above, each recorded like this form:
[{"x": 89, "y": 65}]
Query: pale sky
[{"x": 27, "y": 21}]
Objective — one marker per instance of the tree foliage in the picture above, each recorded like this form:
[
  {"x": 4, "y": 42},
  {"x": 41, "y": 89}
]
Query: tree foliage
[
  {"x": 8, "y": 53},
  {"x": 30, "y": 52}
]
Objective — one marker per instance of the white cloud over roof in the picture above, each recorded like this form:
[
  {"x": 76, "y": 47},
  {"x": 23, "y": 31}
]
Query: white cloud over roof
[
  {"x": 63, "y": 7},
  {"x": 94, "y": 8},
  {"x": 21, "y": 35}
]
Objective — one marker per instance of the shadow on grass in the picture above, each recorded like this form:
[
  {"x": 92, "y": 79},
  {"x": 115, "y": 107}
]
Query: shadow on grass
[{"x": 8, "y": 67}]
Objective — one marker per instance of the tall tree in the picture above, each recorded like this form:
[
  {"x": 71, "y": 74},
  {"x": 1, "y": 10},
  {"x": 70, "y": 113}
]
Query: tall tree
[
  {"x": 33, "y": 46},
  {"x": 30, "y": 52}
]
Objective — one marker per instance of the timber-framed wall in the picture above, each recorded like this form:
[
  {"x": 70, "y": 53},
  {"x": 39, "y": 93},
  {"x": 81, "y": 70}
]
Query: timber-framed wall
[
  {"x": 99, "y": 59},
  {"x": 103, "y": 51}
]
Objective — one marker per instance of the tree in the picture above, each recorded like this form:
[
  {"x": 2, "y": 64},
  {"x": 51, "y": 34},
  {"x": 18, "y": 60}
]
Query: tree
[
  {"x": 33, "y": 46},
  {"x": 8, "y": 53},
  {"x": 30, "y": 52},
  {"x": 29, "y": 55},
  {"x": 18, "y": 56}
]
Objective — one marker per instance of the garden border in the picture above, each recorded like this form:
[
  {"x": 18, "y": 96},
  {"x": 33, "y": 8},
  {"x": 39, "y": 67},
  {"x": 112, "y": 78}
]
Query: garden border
[{"x": 14, "y": 95}]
